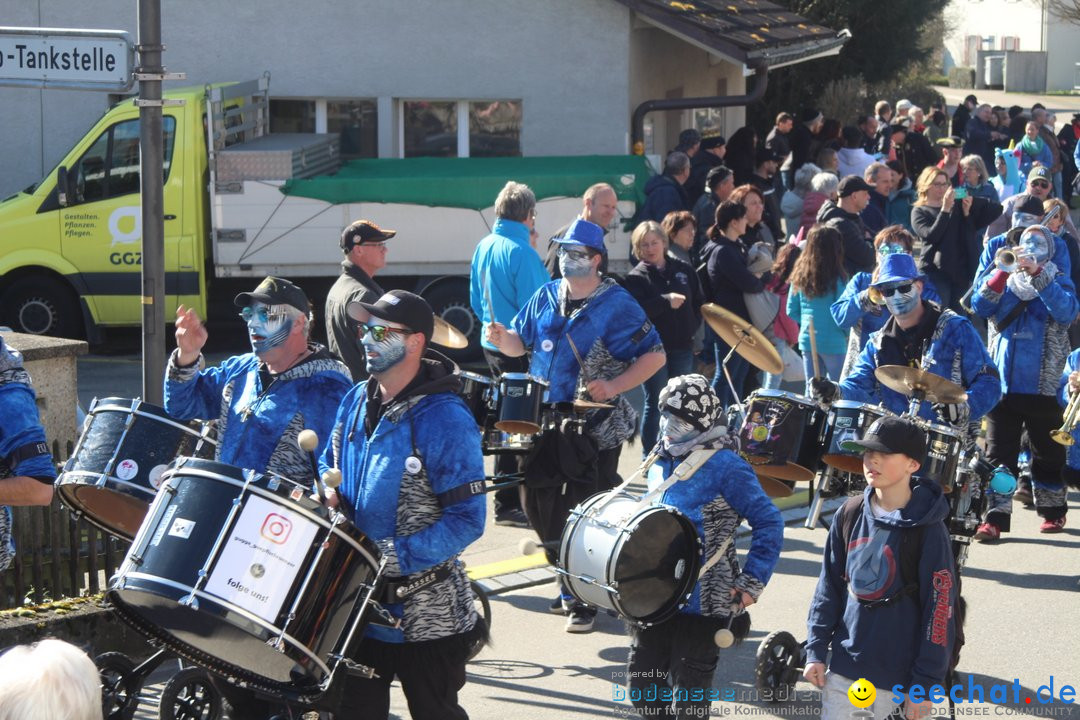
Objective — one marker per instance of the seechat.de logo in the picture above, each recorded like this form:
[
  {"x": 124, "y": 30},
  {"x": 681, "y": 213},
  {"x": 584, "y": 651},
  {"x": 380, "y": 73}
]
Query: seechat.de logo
[{"x": 276, "y": 528}]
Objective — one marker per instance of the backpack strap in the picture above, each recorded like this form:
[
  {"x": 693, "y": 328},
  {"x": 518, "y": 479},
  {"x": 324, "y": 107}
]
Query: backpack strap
[{"x": 911, "y": 542}]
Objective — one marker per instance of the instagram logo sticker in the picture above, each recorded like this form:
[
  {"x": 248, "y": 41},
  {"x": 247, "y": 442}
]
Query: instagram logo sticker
[{"x": 276, "y": 528}]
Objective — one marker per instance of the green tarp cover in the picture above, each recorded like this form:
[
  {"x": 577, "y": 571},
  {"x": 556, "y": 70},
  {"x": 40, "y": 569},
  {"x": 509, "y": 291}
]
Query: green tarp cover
[{"x": 472, "y": 182}]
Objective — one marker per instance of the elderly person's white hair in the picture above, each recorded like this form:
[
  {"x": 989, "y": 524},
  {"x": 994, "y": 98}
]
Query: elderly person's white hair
[
  {"x": 49, "y": 680},
  {"x": 825, "y": 183},
  {"x": 804, "y": 176}
]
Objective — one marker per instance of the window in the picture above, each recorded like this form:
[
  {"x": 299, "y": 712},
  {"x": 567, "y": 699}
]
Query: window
[
  {"x": 357, "y": 123},
  {"x": 292, "y": 116},
  {"x": 1010, "y": 42},
  {"x": 461, "y": 128},
  {"x": 110, "y": 168}
]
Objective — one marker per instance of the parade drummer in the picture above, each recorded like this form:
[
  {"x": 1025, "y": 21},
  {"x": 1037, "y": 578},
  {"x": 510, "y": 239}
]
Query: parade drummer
[
  {"x": 589, "y": 333},
  {"x": 27, "y": 471},
  {"x": 412, "y": 481},
  {"x": 679, "y": 655},
  {"x": 919, "y": 334},
  {"x": 261, "y": 400}
]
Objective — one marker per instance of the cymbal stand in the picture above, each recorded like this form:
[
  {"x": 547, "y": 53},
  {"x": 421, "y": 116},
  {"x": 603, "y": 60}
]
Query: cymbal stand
[
  {"x": 736, "y": 396},
  {"x": 918, "y": 396},
  {"x": 821, "y": 485}
]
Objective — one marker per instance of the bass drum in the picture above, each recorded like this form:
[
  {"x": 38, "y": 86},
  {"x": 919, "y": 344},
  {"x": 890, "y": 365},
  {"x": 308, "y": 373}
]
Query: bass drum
[
  {"x": 641, "y": 563},
  {"x": 244, "y": 574},
  {"x": 779, "y": 437}
]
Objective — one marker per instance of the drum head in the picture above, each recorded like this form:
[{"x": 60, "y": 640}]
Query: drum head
[
  {"x": 518, "y": 427},
  {"x": 847, "y": 463},
  {"x": 114, "y": 512},
  {"x": 656, "y": 566},
  {"x": 788, "y": 471}
]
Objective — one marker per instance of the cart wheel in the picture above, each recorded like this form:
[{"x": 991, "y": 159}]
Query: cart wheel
[
  {"x": 189, "y": 695},
  {"x": 119, "y": 688},
  {"x": 483, "y": 606},
  {"x": 779, "y": 658}
]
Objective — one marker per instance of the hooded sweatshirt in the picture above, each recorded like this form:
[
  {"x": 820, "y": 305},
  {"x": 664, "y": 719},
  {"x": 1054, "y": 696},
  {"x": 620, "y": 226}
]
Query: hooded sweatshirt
[{"x": 908, "y": 640}]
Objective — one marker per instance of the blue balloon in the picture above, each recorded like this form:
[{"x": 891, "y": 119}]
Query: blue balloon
[{"x": 1003, "y": 482}]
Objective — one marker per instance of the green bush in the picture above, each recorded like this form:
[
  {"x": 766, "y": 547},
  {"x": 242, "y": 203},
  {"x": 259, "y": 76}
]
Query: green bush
[{"x": 962, "y": 77}]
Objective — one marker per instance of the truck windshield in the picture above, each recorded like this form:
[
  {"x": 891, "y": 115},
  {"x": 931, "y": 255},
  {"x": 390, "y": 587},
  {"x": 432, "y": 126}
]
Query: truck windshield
[{"x": 110, "y": 167}]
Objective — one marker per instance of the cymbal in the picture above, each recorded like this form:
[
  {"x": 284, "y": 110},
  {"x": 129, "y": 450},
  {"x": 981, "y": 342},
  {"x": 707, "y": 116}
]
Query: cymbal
[
  {"x": 908, "y": 381},
  {"x": 754, "y": 346},
  {"x": 587, "y": 405},
  {"x": 447, "y": 335},
  {"x": 772, "y": 487}
]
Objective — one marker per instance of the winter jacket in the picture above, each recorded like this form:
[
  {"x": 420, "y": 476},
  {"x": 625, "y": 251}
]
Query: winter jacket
[
  {"x": 858, "y": 248},
  {"x": 728, "y": 276},
  {"x": 258, "y": 423},
  {"x": 1044, "y": 156},
  {"x": 899, "y": 206},
  {"x": 951, "y": 241},
  {"x": 716, "y": 498},
  {"x": 610, "y": 331},
  {"x": 505, "y": 271},
  {"x": 792, "y": 208},
  {"x": 812, "y": 205},
  {"x": 341, "y": 329},
  {"x": 955, "y": 351},
  {"x": 1004, "y": 221},
  {"x": 977, "y": 140},
  {"x": 663, "y": 194},
  {"x": 907, "y": 641},
  {"x": 1012, "y": 183},
  {"x": 801, "y": 141},
  {"x": 852, "y": 161},
  {"x": 875, "y": 214},
  {"x": 648, "y": 284},
  {"x": 1072, "y": 364},
  {"x": 415, "y": 487},
  {"x": 1031, "y": 350},
  {"x": 830, "y": 339},
  {"x": 700, "y": 165},
  {"x": 784, "y": 328},
  {"x": 705, "y": 216}
]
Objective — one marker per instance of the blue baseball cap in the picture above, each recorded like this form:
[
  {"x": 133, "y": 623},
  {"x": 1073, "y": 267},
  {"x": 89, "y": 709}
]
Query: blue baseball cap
[
  {"x": 583, "y": 232},
  {"x": 898, "y": 267}
]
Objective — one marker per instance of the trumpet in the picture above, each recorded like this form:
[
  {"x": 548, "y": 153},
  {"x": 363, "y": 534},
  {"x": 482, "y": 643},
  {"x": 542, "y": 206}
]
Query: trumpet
[
  {"x": 1063, "y": 434},
  {"x": 875, "y": 295},
  {"x": 1005, "y": 260}
]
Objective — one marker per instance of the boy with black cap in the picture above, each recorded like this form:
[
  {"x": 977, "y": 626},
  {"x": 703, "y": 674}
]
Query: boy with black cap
[
  {"x": 412, "y": 481},
  {"x": 888, "y": 586},
  {"x": 364, "y": 245}
]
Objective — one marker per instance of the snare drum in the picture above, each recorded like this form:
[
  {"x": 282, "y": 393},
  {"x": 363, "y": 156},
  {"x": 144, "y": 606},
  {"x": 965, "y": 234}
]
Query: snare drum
[
  {"x": 476, "y": 391},
  {"x": 780, "y": 433},
  {"x": 942, "y": 454},
  {"x": 847, "y": 421},
  {"x": 520, "y": 403},
  {"x": 114, "y": 472},
  {"x": 639, "y": 562},
  {"x": 246, "y": 575}
]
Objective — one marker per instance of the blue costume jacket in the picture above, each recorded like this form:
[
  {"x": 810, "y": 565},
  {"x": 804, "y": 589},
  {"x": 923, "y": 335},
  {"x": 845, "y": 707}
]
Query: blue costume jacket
[
  {"x": 955, "y": 352},
  {"x": 1032, "y": 350},
  {"x": 716, "y": 498},
  {"x": 610, "y": 331},
  {"x": 851, "y": 314},
  {"x": 506, "y": 264},
  {"x": 258, "y": 426},
  {"x": 415, "y": 487},
  {"x": 1072, "y": 364},
  {"x": 906, "y": 641}
]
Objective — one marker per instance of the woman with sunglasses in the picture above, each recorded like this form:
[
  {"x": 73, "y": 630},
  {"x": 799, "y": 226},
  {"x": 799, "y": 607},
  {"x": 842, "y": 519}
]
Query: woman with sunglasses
[
  {"x": 949, "y": 222},
  {"x": 860, "y": 312}
]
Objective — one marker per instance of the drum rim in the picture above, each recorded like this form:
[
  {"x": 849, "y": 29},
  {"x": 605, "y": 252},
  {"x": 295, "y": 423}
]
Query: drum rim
[
  {"x": 475, "y": 376},
  {"x": 523, "y": 376},
  {"x": 785, "y": 394},
  {"x": 940, "y": 429},
  {"x": 137, "y": 410},
  {"x": 860, "y": 405}
]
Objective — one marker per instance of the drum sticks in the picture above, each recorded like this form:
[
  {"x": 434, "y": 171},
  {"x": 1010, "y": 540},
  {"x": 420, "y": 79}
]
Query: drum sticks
[
  {"x": 813, "y": 347},
  {"x": 580, "y": 362}
]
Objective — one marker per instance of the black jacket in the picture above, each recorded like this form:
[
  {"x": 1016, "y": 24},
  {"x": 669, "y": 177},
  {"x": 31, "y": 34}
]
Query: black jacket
[
  {"x": 341, "y": 338},
  {"x": 951, "y": 242},
  {"x": 648, "y": 285},
  {"x": 725, "y": 263},
  {"x": 858, "y": 246}
]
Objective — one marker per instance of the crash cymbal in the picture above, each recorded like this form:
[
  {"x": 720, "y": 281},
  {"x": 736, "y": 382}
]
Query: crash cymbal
[
  {"x": 909, "y": 381},
  {"x": 447, "y": 335},
  {"x": 587, "y": 405},
  {"x": 772, "y": 487},
  {"x": 747, "y": 340}
]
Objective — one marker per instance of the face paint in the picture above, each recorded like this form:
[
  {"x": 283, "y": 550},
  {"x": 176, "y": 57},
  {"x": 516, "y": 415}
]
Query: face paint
[
  {"x": 268, "y": 326},
  {"x": 903, "y": 303},
  {"x": 574, "y": 263},
  {"x": 676, "y": 430},
  {"x": 387, "y": 353}
]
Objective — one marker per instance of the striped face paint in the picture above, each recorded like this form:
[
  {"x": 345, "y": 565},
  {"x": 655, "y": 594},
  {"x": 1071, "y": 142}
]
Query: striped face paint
[{"x": 268, "y": 325}]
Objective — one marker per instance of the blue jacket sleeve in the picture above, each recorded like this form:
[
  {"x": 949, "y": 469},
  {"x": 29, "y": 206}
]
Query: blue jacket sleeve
[
  {"x": 830, "y": 598},
  {"x": 530, "y": 275},
  {"x": 1059, "y": 294},
  {"x": 453, "y": 459},
  {"x": 860, "y": 385},
  {"x": 21, "y": 427},
  {"x": 476, "y": 287},
  {"x": 794, "y": 306},
  {"x": 937, "y": 591},
  {"x": 191, "y": 393},
  {"x": 985, "y": 301},
  {"x": 980, "y": 374},
  {"x": 743, "y": 492},
  {"x": 1071, "y": 365},
  {"x": 847, "y": 310}
]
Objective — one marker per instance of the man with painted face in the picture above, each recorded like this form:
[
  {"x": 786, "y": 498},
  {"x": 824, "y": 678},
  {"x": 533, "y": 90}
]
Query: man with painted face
[
  {"x": 583, "y": 316},
  {"x": 413, "y": 482},
  {"x": 1030, "y": 304},
  {"x": 680, "y": 654},
  {"x": 922, "y": 334},
  {"x": 261, "y": 400}
]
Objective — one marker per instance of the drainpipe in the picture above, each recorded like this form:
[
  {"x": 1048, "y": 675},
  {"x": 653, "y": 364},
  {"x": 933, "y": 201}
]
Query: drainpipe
[{"x": 637, "y": 123}]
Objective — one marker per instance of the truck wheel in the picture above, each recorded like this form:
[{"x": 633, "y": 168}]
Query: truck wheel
[
  {"x": 450, "y": 301},
  {"x": 41, "y": 305}
]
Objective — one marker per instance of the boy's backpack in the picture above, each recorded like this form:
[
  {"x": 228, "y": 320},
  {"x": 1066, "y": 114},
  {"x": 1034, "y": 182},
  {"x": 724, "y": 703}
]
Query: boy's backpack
[{"x": 911, "y": 544}]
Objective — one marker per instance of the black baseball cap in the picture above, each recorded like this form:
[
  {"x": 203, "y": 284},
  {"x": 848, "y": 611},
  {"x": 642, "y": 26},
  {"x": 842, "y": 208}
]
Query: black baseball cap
[
  {"x": 397, "y": 306},
  {"x": 891, "y": 435},
  {"x": 852, "y": 184},
  {"x": 364, "y": 231},
  {"x": 275, "y": 291}
]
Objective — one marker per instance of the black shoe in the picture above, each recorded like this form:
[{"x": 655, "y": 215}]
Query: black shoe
[
  {"x": 512, "y": 518},
  {"x": 581, "y": 619},
  {"x": 557, "y": 606}
]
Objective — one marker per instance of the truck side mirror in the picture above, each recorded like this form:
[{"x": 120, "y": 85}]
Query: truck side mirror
[{"x": 62, "y": 188}]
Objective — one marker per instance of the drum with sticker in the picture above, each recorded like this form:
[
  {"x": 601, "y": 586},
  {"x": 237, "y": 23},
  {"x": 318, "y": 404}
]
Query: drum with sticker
[
  {"x": 114, "y": 471},
  {"x": 246, "y": 575}
]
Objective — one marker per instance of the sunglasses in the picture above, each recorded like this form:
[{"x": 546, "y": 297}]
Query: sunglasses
[
  {"x": 574, "y": 254},
  {"x": 262, "y": 314},
  {"x": 379, "y": 332},
  {"x": 1042, "y": 184},
  {"x": 902, "y": 289}
]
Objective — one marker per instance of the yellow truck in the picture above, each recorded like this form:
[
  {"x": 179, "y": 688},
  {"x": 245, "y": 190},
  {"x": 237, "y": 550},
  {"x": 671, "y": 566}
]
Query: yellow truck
[{"x": 241, "y": 203}]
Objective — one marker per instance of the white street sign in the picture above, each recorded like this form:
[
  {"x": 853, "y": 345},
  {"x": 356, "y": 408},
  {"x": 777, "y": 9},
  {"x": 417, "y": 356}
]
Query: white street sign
[{"x": 64, "y": 58}]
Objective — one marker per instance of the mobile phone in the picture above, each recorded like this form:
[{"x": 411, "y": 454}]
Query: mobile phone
[{"x": 960, "y": 193}]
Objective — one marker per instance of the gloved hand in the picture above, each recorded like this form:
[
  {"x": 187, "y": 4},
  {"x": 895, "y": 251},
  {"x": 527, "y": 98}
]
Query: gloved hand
[
  {"x": 867, "y": 304},
  {"x": 952, "y": 413},
  {"x": 823, "y": 390}
]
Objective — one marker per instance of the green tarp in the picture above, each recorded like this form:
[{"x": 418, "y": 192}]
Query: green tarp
[{"x": 472, "y": 182}]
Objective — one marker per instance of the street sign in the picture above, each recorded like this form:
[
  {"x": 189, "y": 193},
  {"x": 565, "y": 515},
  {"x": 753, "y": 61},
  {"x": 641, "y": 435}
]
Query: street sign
[{"x": 68, "y": 59}]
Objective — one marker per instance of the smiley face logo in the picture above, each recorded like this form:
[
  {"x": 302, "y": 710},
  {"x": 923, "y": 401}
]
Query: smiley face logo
[{"x": 862, "y": 693}]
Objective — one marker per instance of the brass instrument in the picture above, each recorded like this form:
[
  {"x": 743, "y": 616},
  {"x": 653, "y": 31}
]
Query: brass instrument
[
  {"x": 1005, "y": 259},
  {"x": 1063, "y": 434},
  {"x": 875, "y": 295}
]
